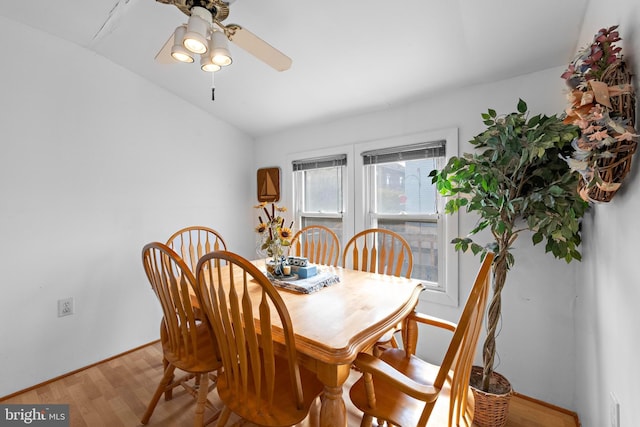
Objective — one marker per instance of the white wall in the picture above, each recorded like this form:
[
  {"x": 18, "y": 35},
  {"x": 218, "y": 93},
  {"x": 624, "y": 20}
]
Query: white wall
[
  {"x": 536, "y": 344},
  {"x": 94, "y": 165},
  {"x": 607, "y": 314}
]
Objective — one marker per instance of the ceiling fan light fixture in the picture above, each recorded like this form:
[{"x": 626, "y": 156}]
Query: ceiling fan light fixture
[
  {"x": 220, "y": 54},
  {"x": 178, "y": 52},
  {"x": 198, "y": 27},
  {"x": 207, "y": 65}
]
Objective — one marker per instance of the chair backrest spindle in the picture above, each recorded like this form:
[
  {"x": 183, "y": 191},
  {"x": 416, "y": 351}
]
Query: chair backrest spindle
[
  {"x": 191, "y": 243},
  {"x": 378, "y": 250},
  {"x": 318, "y": 243}
]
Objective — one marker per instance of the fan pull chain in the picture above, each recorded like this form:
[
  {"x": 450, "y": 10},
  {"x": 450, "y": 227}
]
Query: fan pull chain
[{"x": 213, "y": 87}]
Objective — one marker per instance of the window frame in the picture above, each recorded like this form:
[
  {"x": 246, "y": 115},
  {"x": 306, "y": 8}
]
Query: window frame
[{"x": 447, "y": 291}]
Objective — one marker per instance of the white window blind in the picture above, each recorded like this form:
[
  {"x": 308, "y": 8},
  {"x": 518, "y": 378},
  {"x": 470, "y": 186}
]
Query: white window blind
[
  {"x": 319, "y": 162},
  {"x": 424, "y": 150}
]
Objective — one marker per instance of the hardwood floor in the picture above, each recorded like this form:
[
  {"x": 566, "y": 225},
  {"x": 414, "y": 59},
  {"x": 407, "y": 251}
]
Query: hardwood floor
[{"x": 116, "y": 393}]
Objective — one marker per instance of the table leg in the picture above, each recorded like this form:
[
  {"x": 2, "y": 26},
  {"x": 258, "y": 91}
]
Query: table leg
[{"x": 333, "y": 412}]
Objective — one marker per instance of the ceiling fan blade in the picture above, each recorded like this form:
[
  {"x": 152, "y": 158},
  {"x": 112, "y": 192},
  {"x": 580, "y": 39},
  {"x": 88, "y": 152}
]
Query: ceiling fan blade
[
  {"x": 164, "y": 54},
  {"x": 258, "y": 47}
]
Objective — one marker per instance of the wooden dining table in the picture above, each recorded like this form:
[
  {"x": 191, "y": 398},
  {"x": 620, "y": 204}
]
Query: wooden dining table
[
  {"x": 335, "y": 323},
  {"x": 339, "y": 321}
]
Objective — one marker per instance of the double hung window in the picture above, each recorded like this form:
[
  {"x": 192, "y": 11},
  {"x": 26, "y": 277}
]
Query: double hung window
[
  {"x": 319, "y": 191},
  {"x": 385, "y": 184},
  {"x": 399, "y": 196}
]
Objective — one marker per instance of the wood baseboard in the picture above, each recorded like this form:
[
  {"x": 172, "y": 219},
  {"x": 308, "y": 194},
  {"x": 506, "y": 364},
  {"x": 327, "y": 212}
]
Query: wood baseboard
[
  {"x": 550, "y": 406},
  {"x": 44, "y": 383},
  {"x": 134, "y": 374}
]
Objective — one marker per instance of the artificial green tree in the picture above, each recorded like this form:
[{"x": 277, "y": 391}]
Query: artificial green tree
[{"x": 517, "y": 180}]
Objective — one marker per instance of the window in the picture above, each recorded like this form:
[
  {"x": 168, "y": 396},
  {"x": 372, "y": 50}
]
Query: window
[
  {"x": 400, "y": 197},
  {"x": 318, "y": 188},
  {"x": 385, "y": 184},
  {"x": 393, "y": 190}
]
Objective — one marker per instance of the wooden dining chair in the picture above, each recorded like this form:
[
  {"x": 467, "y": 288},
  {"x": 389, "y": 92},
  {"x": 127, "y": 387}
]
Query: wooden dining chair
[
  {"x": 188, "y": 343},
  {"x": 262, "y": 381},
  {"x": 319, "y": 244},
  {"x": 404, "y": 390},
  {"x": 193, "y": 242},
  {"x": 378, "y": 250},
  {"x": 383, "y": 251}
]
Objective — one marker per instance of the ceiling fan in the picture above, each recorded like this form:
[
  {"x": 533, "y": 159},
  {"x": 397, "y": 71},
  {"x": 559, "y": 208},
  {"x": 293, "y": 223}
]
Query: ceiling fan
[{"x": 206, "y": 35}]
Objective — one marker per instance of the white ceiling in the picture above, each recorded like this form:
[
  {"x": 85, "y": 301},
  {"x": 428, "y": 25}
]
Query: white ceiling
[{"x": 349, "y": 56}]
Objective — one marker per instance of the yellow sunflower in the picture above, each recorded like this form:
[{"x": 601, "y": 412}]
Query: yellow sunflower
[
  {"x": 285, "y": 233},
  {"x": 261, "y": 228}
]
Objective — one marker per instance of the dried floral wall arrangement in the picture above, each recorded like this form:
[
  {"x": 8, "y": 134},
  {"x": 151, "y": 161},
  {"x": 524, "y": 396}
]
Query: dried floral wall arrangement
[{"x": 602, "y": 105}]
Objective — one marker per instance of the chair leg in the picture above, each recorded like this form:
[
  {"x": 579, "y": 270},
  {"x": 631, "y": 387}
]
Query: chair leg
[
  {"x": 164, "y": 383},
  {"x": 224, "y": 417},
  {"x": 314, "y": 412},
  {"x": 212, "y": 418},
  {"x": 168, "y": 394},
  {"x": 202, "y": 380},
  {"x": 394, "y": 342},
  {"x": 371, "y": 397},
  {"x": 367, "y": 420}
]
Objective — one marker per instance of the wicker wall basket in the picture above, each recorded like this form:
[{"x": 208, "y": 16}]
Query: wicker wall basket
[
  {"x": 490, "y": 410},
  {"x": 613, "y": 170}
]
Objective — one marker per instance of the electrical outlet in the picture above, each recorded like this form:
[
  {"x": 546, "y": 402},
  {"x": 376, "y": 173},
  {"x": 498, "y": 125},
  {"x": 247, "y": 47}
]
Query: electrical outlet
[
  {"x": 65, "y": 307},
  {"x": 614, "y": 410}
]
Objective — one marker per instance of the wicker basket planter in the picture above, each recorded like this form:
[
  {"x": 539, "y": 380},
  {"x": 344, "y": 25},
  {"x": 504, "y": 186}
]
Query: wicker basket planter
[{"x": 491, "y": 410}]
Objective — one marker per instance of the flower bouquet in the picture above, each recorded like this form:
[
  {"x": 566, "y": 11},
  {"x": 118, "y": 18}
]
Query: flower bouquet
[
  {"x": 275, "y": 237},
  {"x": 602, "y": 105}
]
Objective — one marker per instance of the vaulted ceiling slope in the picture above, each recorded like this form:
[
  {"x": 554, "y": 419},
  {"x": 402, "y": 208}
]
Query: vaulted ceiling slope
[{"x": 349, "y": 57}]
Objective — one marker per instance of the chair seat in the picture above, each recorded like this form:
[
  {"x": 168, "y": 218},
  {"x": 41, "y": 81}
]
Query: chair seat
[
  {"x": 399, "y": 408},
  {"x": 282, "y": 412},
  {"x": 206, "y": 360}
]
